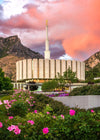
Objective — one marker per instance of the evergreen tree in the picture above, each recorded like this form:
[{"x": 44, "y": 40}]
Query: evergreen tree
[{"x": 5, "y": 82}]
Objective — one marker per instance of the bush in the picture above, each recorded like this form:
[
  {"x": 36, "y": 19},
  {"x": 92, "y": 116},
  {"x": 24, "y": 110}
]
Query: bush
[
  {"x": 50, "y": 85},
  {"x": 83, "y": 125},
  {"x": 42, "y": 100},
  {"x": 86, "y": 90},
  {"x": 6, "y": 92},
  {"x": 19, "y": 108},
  {"x": 5, "y": 82}
]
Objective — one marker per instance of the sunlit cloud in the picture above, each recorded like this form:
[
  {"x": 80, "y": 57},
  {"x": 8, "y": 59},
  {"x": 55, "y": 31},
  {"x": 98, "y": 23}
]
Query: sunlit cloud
[{"x": 73, "y": 25}]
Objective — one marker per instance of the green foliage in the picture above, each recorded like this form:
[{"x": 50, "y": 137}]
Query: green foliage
[
  {"x": 42, "y": 100},
  {"x": 93, "y": 73},
  {"x": 86, "y": 90},
  {"x": 19, "y": 108},
  {"x": 84, "y": 125},
  {"x": 60, "y": 81},
  {"x": 70, "y": 76},
  {"x": 50, "y": 85},
  {"x": 6, "y": 92},
  {"x": 5, "y": 82}
]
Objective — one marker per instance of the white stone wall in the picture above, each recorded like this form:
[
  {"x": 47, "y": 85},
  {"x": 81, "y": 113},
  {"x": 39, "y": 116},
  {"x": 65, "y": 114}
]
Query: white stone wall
[
  {"x": 29, "y": 65},
  {"x": 17, "y": 71},
  {"x": 78, "y": 70},
  {"x": 69, "y": 64},
  {"x": 58, "y": 67},
  {"x": 74, "y": 66},
  {"x": 52, "y": 68},
  {"x": 21, "y": 70},
  {"x": 47, "y": 68},
  {"x": 63, "y": 66},
  {"x": 24, "y": 69},
  {"x": 82, "y": 71},
  {"x": 41, "y": 68},
  {"x": 35, "y": 68}
]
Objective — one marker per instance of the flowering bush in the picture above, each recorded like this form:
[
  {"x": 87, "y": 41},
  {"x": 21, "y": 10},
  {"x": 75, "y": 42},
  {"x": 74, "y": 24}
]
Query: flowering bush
[
  {"x": 46, "y": 124},
  {"x": 19, "y": 108}
]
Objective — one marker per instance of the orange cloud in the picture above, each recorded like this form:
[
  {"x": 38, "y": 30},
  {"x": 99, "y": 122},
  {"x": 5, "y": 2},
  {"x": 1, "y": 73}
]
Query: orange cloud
[{"x": 75, "y": 23}]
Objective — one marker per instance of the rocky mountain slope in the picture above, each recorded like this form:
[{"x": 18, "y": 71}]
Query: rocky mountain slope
[
  {"x": 93, "y": 61},
  {"x": 12, "y": 45},
  {"x": 11, "y": 50}
]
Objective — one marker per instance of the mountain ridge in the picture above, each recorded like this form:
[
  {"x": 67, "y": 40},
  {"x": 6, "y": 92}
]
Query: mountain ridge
[
  {"x": 12, "y": 45},
  {"x": 92, "y": 61},
  {"x": 11, "y": 51}
]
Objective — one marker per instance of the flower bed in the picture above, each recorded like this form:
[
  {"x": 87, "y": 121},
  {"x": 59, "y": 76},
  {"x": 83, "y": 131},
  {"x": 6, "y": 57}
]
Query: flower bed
[
  {"x": 24, "y": 117},
  {"x": 58, "y": 94}
]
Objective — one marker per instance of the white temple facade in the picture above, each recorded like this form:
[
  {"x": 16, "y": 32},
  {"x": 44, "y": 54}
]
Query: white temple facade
[{"x": 40, "y": 70}]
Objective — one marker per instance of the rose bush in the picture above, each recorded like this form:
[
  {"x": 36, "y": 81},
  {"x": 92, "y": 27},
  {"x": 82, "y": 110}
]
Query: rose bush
[{"x": 46, "y": 123}]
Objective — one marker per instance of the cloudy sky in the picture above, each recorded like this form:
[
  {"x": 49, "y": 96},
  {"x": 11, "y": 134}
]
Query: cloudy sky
[{"x": 74, "y": 25}]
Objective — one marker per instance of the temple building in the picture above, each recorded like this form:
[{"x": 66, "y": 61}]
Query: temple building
[{"x": 40, "y": 70}]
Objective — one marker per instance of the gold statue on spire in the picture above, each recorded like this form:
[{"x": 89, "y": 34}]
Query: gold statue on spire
[{"x": 46, "y": 22}]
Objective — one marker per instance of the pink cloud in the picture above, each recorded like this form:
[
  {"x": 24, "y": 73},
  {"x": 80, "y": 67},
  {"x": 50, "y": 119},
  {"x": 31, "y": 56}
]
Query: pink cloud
[{"x": 74, "y": 23}]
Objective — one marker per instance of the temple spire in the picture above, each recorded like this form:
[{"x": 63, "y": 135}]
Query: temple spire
[{"x": 47, "y": 52}]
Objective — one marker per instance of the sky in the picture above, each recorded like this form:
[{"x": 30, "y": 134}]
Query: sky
[{"x": 74, "y": 25}]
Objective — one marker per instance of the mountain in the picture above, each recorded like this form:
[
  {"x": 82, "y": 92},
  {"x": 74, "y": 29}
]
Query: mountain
[
  {"x": 12, "y": 46},
  {"x": 93, "y": 61},
  {"x": 11, "y": 50}
]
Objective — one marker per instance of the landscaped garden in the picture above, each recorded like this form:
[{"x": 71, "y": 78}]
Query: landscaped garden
[{"x": 28, "y": 116}]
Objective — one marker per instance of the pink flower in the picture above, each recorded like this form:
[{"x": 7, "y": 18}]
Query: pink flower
[
  {"x": 33, "y": 101},
  {"x": 17, "y": 131},
  {"x": 9, "y": 105},
  {"x": 11, "y": 128},
  {"x": 19, "y": 95},
  {"x": 72, "y": 112},
  {"x": 31, "y": 97},
  {"x": 15, "y": 128},
  {"x": 31, "y": 122},
  {"x": 29, "y": 102},
  {"x": 31, "y": 105},
  {"x": 6, "y": 102},
  {"x": 48, "y": 112},
  {"x": 35, "y": 111},
  {"x": 54, "y": 117},
  {"x": 6, "y": 107},
  {"x": 1, "y": 102},
  {"x": 92, "y": 111},
  {"x": 1, "y": 125},
  {"x": 11, "y": 117},
  {"x": 62, "y": 116},
  {"x": 45, "y": 130}
]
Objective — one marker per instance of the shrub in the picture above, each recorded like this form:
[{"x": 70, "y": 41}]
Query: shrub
[
  {"x": 83, "y": 125},
  {"x": 86, "y": 90},
  {"x": 19, "y": 108},
  {"x": 50, "y": 85},
  {"x": 6, "y": 92},
  {"x": 57, "y": 107},
  {"x": 5, "y": 82}
]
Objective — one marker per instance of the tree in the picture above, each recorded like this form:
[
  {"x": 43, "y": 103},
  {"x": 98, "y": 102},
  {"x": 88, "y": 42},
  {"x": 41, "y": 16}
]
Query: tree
[
  {"x": 89, "y": 75},
  {"x": 5, "y": 82},
  {"x": 60, "y": 81},
  {"x": 70, "y": 76}
]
